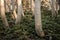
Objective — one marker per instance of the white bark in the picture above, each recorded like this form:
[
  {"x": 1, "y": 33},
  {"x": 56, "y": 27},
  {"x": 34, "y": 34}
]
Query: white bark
[
  {"x": 53, "y": 6},
  {"x": 6, "y": 6},
  {"x": 38, "y": 23},
  {"x": 18, "y": 19}
]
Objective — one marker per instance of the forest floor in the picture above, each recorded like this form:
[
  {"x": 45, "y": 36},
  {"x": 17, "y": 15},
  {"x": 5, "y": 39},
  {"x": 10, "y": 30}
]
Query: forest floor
[{"x": 26, "y": 29}]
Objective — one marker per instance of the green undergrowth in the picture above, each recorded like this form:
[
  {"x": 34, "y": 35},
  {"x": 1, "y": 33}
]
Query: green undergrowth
[{"x": 26, "y": 29}]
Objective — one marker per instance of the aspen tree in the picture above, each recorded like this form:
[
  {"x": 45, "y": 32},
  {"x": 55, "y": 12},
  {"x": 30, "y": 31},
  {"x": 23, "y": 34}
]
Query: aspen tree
[
  {"x": 18, "y": 19},
  {"x": 53, "y": 8},
  {"x": 3, "y": 16},
  {"x": 6, "y": 6},
  {"x": 38, "y": 23}
]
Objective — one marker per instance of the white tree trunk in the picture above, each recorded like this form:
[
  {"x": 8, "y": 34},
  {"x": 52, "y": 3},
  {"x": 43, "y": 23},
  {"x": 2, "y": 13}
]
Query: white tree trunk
[
  {"x": 4, "y": 19},
  {"x": 18, "y": 19},
  {"x": 53, "y": 6},
  {"x": 6, "y": 6},
  {"x": 38, "y": 23}
]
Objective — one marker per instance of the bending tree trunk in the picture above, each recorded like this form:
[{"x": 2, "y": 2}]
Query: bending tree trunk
[{"x": 38, "y": 23}]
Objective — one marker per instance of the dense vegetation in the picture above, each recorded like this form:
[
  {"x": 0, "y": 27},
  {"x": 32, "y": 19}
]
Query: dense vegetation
[{"x": 26, "y": 30}]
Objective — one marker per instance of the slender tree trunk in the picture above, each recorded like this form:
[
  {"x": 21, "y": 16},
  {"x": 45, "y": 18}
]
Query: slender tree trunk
[
  {"x": 18, "y": 19},
  {"x": 32, "y": 6},
  {"x": 57, "y": 7},
  {"x": 6, "y": 6},
  {"x": 38, "y": 23},
  {"x": 13, "y": 4},
  {"x": 23, "y": 13},
  {"x": 3, "y": 16},
  {"x": 53, "y": 6}
]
